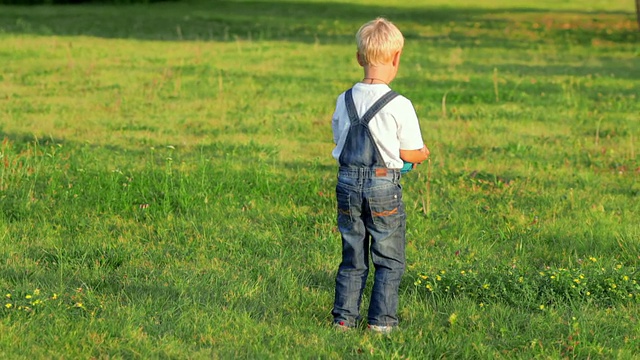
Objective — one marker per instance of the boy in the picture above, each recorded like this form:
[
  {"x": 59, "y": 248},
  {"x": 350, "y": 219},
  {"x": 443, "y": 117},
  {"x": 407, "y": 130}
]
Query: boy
[{"x": 374, "y": 130}]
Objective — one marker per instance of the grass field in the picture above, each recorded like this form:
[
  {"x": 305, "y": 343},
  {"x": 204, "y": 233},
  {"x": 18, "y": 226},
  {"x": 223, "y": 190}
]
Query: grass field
[{"x": 167, "y": 189}]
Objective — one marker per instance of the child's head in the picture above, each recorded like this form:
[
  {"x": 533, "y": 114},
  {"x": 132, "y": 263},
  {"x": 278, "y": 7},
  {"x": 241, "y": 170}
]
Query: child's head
[{"x": 378, "y": 41}]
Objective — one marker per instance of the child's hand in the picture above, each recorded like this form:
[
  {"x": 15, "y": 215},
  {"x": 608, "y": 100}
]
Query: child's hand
[
  {"x": 426, "y": 152},
  {"x": 415, "y": 156}
]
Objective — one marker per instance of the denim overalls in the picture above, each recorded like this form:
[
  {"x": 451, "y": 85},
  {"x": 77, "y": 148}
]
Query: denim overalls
[{"x": 371, "y": 220}]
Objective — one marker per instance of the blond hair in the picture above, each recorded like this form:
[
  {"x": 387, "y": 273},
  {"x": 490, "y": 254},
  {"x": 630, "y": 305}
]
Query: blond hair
[{"x": 378, "y": 40}]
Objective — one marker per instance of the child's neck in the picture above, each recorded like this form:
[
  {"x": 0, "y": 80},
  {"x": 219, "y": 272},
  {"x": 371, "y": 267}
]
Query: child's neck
[
  {"x": 373, "y": 80},
  {"x": 378, "y": 74}
]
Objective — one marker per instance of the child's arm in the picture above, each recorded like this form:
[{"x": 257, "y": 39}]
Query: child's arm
[{"x": 415, "y": 156}]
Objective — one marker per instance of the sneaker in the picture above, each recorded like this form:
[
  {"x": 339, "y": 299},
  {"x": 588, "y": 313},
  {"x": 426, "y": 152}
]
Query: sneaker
[
  {"x": 340, "y": 325},
  {"x": 385, "y": 330}
]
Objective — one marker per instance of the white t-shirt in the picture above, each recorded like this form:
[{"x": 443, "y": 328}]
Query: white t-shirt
[{"x": 393, "y": 128}]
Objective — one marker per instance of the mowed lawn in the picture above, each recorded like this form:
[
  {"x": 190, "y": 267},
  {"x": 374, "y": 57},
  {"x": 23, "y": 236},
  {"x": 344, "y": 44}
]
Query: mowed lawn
[{"x": 167, "y": 189}]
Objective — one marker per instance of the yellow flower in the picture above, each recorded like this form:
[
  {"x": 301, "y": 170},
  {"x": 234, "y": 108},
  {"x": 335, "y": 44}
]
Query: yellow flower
[
  {"x": 79, "y": 305},
  {"x": 424, "y": 276},
  {"x": 55, "y": 296},
  {"x": 481, "y": 304},
  {"x": 438, "y": 278},
  {"x": 588, "y": 293},
  {"x": 541, "y": 307},
  {"x": 429, "y": 287},
  {"x": 485, "y": 286},
  {"x": 462, "y": 272},
  {"x": 552, "y": 276},
  {"x": 453, "y": 318},
  {"x": 36, "y": 292},
  {"x": 27, "y": 296},
  {"x": 8, "y": 296},
  {"x": 521, "y": 279},
  {"x": 577, "y": 281},
  {"x": 442, "y": 272},
  {"x": 8, "y": 305},
  {"x": 593, "y": 259},
  {"x": 625, "y": 278}
]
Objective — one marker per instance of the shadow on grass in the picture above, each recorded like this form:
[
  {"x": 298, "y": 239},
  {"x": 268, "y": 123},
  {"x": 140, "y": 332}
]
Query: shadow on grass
[
  {"x": 267, "y": 20},
  {"x": 608, "y": 67}
]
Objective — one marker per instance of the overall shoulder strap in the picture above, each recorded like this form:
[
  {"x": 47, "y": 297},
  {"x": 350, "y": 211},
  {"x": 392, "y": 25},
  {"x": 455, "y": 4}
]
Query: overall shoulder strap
[
  {"x": 378, "y": 105},
  {"x": 351, "y": 107}
]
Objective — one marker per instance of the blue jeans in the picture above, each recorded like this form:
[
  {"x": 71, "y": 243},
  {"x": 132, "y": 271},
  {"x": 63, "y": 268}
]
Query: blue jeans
[{"x": 372, "y": 222}]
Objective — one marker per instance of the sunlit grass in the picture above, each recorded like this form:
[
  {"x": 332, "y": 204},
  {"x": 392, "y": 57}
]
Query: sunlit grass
[{"x": 166, "y": 187}]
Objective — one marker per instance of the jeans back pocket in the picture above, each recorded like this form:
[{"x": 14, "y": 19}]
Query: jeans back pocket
[{"x": 387, "y": 212}]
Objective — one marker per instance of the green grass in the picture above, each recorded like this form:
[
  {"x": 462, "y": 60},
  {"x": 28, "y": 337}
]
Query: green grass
[{"x": 167, "y": 190}]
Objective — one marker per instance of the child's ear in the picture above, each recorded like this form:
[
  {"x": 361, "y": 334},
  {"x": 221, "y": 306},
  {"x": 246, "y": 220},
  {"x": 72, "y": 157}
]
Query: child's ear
[
  {"x": 360, "y": 58},
  {"x": 396, "y": 58}
]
